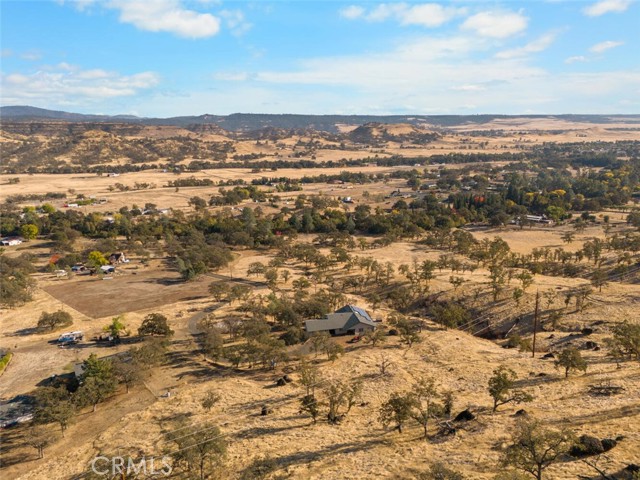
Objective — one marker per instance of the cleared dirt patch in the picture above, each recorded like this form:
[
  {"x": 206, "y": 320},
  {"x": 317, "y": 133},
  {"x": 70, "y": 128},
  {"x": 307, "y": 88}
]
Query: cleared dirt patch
[{"x": 127, "y": 293}]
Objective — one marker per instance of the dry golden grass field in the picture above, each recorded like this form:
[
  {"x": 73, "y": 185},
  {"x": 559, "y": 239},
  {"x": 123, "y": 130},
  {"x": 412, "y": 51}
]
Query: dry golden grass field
[{"x": 358, "y": 448}]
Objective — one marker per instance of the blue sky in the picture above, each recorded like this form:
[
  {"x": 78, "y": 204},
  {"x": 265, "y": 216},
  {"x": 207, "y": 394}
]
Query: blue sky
[{"x": 188, "y": 57}]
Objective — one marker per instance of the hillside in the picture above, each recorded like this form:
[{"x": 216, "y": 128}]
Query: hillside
[
  {"x": 249, "y": 121},
  {"x": 56, "y": 144}
]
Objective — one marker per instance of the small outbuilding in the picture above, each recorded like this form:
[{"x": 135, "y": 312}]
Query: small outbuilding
[
  {"x": 11, "y": 241},
  {"x": 349, "y": 320}
]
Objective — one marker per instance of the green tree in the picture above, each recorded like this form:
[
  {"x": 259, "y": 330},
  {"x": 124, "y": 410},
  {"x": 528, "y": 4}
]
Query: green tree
[
  {"x": 198, "y": 203},
  {"x": 271, "y": 277},
  {"x": 53, "y": 405},
  {"x": 98, "y": 382},
  {"x": 219, "y": 291},
  {"x": 535, "y": 448},
  {"x": 210, "y": 400},
  {"x": 571, "y": 359},
  {"x": 526, "y": 279},
  {"x": 96, "y": 259},
  {"x": 497, "y": 277},
  {"x": 426, "y": 405},
  {"x": 239, "y": 292},
  {"x": 200, "y": 450},
  {"x": 213, "y": 343},
  {"x": 626, "y": 339},
  {"x": 310, "y": 376},
  {"x": 116, "y": 328},
  {"x": 40, "y": 437},
  {"x": 376, "y": 336},
  {"x": 333, "y": 350},
  {"x": 29, "y": 231},
  {"x": 155, "y": 324},
  {"x": 501, "y": 388},
  {"x": 450, "y": 314},
  {"x": 150, "y": 354},
  {"x": 517, "y": 295},
  {"x": 599, "y": 279},
  {"x": 128, "y": 372},
  {"x": 319, "y": 341},
  {"x": 55, "y": 320},
  {"x": 309, "y": 405},
  {"x": 456, "y": 282},
  {"x": 407, "y": 330},
  {"x": 397, "y": 410},
  {"x": 568, "y": 236},
  {"x": 341, "y": 397},
  {"x": 16, "y": 286},
  {"x": 48, "y": 208}
]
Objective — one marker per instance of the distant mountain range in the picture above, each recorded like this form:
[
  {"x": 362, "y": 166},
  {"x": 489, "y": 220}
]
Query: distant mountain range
[{"x": 251, "y": 121}]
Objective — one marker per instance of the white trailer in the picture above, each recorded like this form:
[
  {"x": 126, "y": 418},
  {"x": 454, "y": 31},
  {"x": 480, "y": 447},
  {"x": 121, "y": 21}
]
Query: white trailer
[{"x": 71, "y": 337}]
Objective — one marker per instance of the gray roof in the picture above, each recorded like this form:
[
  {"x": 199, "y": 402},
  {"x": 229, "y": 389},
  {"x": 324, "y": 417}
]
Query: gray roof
[
  {"x": 354, "y": 309},
  {"x": 344, "y": 319}
]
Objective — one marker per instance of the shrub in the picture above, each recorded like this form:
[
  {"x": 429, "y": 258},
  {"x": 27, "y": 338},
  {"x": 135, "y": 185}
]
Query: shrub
[{"x": 4, "y": 361}]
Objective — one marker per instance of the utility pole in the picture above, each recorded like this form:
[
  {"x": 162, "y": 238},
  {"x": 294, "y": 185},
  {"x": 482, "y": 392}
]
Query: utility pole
[{"x": 535, "y": 324}]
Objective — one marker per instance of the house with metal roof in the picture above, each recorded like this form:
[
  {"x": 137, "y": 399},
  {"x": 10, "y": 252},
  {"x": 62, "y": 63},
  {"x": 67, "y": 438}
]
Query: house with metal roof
[{"x": 349, "y": 320}]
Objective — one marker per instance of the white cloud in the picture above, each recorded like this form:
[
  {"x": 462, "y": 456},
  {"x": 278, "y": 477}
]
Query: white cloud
[
  {"x": 68, "y": 84},
  {"x": 496, "y": 24},
  {"x": 63, "y": 66},
  {"x": 166, "y": 16},
  {"x": 538, "y": 45},
  {"x": 428, "y": 75},
  {"x": 16, "y": 79},
  {"x": 160, "y": 16},
  {"x": 576, "y": 58},
  {"x": 236, "y": 22},
  {"x": 469, "y": 88},
  {"x": 430, "y": 14},
  {"x": 606, "y": 6},
  {"x": 604, "y": 46},
  {"x": 352, "y": 12},
  {"x": 31, "y": 56},
  {"x": 93, "y": 74},
  {"x": 422, "y": 63},
  {"x": 422, "y": 14}
]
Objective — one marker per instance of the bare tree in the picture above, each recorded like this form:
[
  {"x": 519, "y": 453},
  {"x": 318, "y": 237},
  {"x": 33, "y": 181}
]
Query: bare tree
[{"x": 384, "y": 364}]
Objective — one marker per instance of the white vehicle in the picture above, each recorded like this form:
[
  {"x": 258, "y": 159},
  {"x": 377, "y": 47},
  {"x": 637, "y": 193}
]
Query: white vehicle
[{"x": 70, "y": 337}]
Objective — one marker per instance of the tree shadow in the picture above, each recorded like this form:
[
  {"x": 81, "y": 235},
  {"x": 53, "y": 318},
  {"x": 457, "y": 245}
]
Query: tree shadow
[
  {"x": 258, "y": 432},
  {"x": 602, "y": 415},
  {"x": 537, "y": 380},
  {"x": 306, "y": 456},
  {"x": 13, "y": 441},
  {"x": 24, "y": 332}
]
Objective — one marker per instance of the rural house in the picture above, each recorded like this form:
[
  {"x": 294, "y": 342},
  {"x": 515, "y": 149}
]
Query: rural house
[
  {"x": 11, "y": 241},
  {"x": 349, "y": 320}
]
